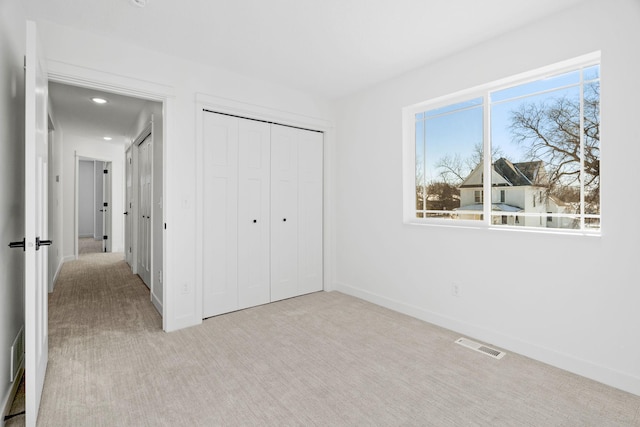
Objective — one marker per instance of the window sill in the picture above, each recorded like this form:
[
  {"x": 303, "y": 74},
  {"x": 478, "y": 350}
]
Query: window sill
[{"x": 479, "y": 225}]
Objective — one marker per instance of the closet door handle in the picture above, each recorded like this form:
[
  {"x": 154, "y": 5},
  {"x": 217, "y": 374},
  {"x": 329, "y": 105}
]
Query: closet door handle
[
  {"x": 255, "y": 220},
  {"x": 284, "y": 219}
]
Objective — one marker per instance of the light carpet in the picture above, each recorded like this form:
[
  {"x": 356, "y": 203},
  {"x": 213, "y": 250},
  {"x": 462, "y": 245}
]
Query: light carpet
[
  {"x": 324, "y": 359},
  {"x": 89, "y": 245}
]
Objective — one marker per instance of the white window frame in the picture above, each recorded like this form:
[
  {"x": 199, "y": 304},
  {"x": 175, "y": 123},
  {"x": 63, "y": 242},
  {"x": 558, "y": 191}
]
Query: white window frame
[{"x": 409, "y": 141}]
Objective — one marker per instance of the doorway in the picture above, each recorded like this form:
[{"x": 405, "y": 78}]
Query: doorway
[
  {"x": 93, "y": 206},
  {"x": 119, "y": 91}
]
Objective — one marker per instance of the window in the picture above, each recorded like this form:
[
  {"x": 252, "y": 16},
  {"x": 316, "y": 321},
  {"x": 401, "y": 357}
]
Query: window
[
  {"x": 477, "y": 196},
  {"x": 543, "y": 136}
]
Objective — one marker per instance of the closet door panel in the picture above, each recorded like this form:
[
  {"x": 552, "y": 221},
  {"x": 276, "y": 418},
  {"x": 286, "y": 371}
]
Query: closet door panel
[
  {"x": 253, "y": 213},
  {"x": 284, "y": 212},
  {"x": 310, "y": 208},
  {"x": 220, "y": 275}
]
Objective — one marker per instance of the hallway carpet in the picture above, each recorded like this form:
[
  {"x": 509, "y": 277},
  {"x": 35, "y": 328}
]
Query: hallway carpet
[
  {"x": 88, "y": 245},
  {"x": 325, "y": 359}
]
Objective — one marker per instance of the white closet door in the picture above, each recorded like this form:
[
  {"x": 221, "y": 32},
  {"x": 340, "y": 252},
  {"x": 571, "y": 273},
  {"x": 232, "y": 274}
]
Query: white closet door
[
  {"x": 310, "y": 207},
  {"x": 128, "y": 225},
  {"x": 144, "y": 220},
  {"x": 220, "y": 249},
  {"x": 253, "y": 213},
  {"x": 296, "y": 241},
  {"x": 284, "y": 212}
]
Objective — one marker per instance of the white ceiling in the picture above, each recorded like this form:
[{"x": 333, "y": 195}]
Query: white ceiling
[
  {"x": 328, "y": 48},
  {"x": 78, "y": 115}
]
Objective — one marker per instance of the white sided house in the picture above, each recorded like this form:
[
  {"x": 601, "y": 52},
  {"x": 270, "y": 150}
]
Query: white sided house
[{"x": 519, "y": 196}]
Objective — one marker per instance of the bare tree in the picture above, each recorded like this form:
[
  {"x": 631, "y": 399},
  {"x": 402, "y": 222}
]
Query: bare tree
[{"x": 550, "y": 131}]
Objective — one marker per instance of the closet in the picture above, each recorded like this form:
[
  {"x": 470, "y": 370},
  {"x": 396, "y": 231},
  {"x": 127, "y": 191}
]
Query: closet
[{"x": 262, "y": 200}]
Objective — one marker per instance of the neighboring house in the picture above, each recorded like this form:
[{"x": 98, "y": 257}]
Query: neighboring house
[{"x": 517, "y": 189}]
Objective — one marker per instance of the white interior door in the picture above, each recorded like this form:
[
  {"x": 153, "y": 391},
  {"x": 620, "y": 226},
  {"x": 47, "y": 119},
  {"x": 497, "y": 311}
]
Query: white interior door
[
  {"x": 253, "y": 213},
  {"x": 106, "y": 206},
  {"x": 144, "y": 211},
  {"x": 220, "y": 205},
  {"x": 128, "y": 229},
  {"x": 98, "y": 200},
  {"x": 35, "y": 273}
]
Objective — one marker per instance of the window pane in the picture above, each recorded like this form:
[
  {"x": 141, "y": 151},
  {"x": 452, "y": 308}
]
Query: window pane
[
  {"x": 536, "y": 158},
  {"x": 592, "y": 152},
  {"x": 420, "y": 177},
  {"x": 452, "y": 150}
]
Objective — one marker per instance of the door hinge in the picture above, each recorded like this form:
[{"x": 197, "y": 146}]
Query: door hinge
[
  {"x": 105, "y": 237},
  {"x": 106, "y": 171},
  {"x": 105, "y": 204}
]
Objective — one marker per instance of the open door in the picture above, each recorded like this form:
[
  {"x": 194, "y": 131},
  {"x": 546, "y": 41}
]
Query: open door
[
  {"x": 35, "y": 224},
  {"x": 106, "y": 203}
]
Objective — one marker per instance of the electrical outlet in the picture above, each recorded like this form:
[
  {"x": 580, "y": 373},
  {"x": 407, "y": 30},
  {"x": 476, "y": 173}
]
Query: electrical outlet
[{"x": 455, "y": 289}]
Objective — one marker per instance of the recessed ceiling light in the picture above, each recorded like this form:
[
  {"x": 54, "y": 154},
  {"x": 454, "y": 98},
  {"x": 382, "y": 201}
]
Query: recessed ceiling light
[
  {"x": 99, "y": 100},
  {"x": 139, "y": 3},
  {"x": 107, "y": 138}
]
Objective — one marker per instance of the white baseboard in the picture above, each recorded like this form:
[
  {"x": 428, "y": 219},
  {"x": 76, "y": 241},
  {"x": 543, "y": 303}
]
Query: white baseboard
[
  {"x": 156, "y": 303},
  {"x": 603, "y": 374}
]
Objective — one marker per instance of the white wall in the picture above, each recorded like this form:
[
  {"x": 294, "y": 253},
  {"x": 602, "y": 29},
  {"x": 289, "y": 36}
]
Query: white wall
[
  {"x": 12, "y": 48},
  {"x": 74, "y": 145},
  {"x": 86, "y": 192},
  {"x": 118, "y": 64},
  {"x": 581, "y": 310}
]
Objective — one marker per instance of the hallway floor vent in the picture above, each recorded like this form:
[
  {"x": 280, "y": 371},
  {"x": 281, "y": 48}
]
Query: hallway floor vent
[{"x": 496, "y": 354}]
